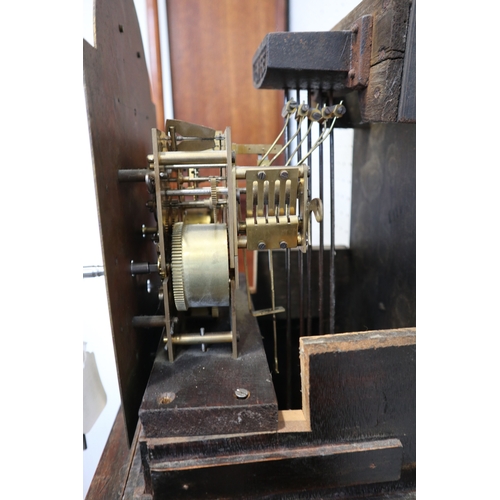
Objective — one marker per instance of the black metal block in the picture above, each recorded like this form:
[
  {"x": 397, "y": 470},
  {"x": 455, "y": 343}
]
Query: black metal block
[{"x": 308, "y": 60}]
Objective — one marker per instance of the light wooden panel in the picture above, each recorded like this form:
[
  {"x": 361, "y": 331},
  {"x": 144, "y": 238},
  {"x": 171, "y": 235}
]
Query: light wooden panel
[{"x": 211, "y": 49}]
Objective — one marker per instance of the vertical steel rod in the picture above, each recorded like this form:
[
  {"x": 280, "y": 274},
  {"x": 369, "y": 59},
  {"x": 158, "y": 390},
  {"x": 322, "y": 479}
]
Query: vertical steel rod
[
  {"x": 273, "y": 305},
  {"x": 300, "y": 255},
  {"x": 309, "y": 247},
  {"x": 288, "y": 332},
  {"x": 321, "y": 230},
  {"x": 245, "y": 263},
  {"x": 332, "y": 235},
  {"x": 288, "y": 300},
  {"x": 234, "y": 332}
]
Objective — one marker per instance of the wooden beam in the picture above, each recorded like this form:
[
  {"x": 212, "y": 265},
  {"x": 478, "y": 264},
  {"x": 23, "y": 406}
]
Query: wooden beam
[{"x": 379, "y": 102}]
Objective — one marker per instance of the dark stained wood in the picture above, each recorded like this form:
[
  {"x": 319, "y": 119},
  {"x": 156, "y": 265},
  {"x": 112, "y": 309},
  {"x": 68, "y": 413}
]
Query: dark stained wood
[
  {"x": 201, "y": 387},
  {"x": 305, "y": 60},
  {"x": 211, "y": 50},
  {"x": 121, "y": 116},
  {"x": 111, "y": 474},
  {"x": 280, "y": 472},
  {"x": 133, "y": 484},
  {"x": 381, "y": 289},
  {"x": 360, "y": 398},
  {"x": 379, "y": 102},
  {"x": 362, "y": 385},
  {"x": 389, "y": 26},
  {"x": 356, "y": 387},
  {"x": 135, "y": 487},
  {"x": 155, "y": 62},
  {"x": 408, "y": 100}
]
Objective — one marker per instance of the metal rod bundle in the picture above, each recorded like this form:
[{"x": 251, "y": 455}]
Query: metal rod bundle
[{"x": 316, "y": 316}]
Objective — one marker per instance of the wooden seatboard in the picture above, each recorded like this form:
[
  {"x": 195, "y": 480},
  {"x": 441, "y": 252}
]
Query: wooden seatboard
[
  {"x": 201, "y": 386},
  {"x": 357, "y": 388},
  {"x": 362, "y": 405}
]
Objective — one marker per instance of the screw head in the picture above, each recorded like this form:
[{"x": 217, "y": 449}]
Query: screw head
[
  {"x": 261, "y": 175},
  {"x": 241, "y": 393},
  {"x": 283, "y": 244},
  {"x": 304, "y": 108},
  {"x": 284, "y": 174},
  {"x": 315, "y": 115},
  {"x": 261, "y": 245}
]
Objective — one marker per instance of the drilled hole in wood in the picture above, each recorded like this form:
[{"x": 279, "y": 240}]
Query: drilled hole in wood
[
  {"x": 139, "y": 55},
  {"x": 120, "y": 28},
  {"x": 166, "y": 398}
]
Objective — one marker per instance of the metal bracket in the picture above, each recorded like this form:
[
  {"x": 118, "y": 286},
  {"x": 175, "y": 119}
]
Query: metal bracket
[
  {"x": 361, "y": 51},
  {"x": 271, "y": 219}
]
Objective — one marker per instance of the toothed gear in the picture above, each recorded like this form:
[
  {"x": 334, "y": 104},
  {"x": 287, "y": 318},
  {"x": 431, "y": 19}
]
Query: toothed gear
[
  {"x": 213, "y": 191},
  {"x": 177, "y": 268}
]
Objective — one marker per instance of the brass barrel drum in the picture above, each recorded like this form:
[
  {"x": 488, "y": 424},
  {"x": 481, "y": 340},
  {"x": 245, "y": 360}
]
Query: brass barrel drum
[{"x": 200, "y": 265}]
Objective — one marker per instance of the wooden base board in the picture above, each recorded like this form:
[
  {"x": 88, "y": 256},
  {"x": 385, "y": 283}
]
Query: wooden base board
[
  {"x": 199, "y": 387},
  {"x": 280, "y": 471}
]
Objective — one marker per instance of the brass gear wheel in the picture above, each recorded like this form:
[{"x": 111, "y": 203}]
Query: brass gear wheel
[{"x": 177, "y": 268}]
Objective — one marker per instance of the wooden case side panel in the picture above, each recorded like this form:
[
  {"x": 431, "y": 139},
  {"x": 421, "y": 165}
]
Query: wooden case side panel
[{"x": 121, "y": 116}]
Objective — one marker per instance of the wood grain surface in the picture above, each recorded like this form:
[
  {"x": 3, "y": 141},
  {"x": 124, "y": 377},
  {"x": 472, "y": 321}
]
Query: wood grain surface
[
  {"x": 361, "y": 443},
  {"x": 112, "y": 471},
  {"x": 121, "y": 116},
  {"x": 379, "y": 102},
  {"x": 211, "y": 50},
  {"x": 281, "y": 472},
  {"x": 200, "y": 387},
  {"x": 362, "y": 385},
  {"x": 381, "y": 291},
  {"x": 155, "y": 66}
]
